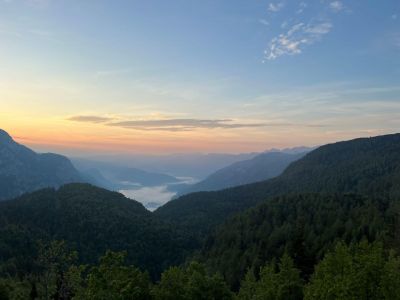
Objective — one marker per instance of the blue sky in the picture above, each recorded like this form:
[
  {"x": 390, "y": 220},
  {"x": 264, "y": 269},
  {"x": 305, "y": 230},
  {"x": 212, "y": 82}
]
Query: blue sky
[{"x": 179, "y": 75}]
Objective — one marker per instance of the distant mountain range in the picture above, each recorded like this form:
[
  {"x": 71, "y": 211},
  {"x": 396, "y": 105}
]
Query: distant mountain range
[
  {"x": 22, "y": 170},
  {"x": 367, "y": 166},
  {"x": 194, "y": 165},
  {"x": 144, "y": 178},
  {"x": 262, "y": 167},
  {"x": 118, "y": 173}
]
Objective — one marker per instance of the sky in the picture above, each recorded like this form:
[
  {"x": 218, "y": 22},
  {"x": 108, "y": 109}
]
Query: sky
[{"x": 183, "y": 76}]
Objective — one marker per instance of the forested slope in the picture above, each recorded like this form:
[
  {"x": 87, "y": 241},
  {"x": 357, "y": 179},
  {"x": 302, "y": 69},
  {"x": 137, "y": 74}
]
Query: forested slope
[
  {"x": 91, "y": 220},
  {"x": 304, "y": 226}
]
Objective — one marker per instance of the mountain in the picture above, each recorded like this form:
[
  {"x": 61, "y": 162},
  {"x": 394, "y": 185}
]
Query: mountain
[
  {"x": 22, "y": 170},
  {"x": 305, "y": 226},
  {"x": 121, "y": 176},
  {"x": 262, "y": 167},
  {"x": 95, "y": 177},
  {"x": 367, "y": 166},
  {"x": 294, "y": 150},
  {"x": 194, "y": 165},
  {"x": 91, "y": 220},
  {"x": 143, "y": 178}
]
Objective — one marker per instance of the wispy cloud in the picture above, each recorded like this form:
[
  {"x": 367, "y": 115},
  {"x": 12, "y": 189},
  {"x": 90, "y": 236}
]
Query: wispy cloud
[
  {"x": 296, "y": 38},
  {"x": 275, "y": 7},
  {"x": 264, "y": 22},
  {"x": 90, "y": 119},
  {"x": 182, "y": 125},
  {"x": 166, "y": 124},
  {"x": 298, "y": 30},
  {"x": 302, "y": 7},
  {"x": 336, "y": 6}
]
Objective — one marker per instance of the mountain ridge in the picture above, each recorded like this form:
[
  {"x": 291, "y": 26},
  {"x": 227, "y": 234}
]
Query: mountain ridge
[
  {"x": 363, "y": 166},
  {"x": 22, "y": 170},
  {"x": 262, "y": 167}
]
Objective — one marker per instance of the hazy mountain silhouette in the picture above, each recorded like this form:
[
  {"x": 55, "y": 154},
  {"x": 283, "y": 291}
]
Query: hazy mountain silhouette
[
  {"x": 262, "y": 167},
  {"x": 22, "y": 170}
]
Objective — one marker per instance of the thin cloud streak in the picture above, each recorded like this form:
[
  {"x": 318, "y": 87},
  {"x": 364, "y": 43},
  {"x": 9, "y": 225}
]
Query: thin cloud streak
[
  {"x": 90, "y": 119},
  {"x": 182, "y": 125}
]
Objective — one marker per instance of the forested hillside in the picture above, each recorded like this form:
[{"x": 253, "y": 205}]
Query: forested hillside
[
  {"x": 303, "y": 226},
  {"x": 331, "y": 217},
  {"x": 367, "y": 166},
  {"x": 91, "y": 220}
]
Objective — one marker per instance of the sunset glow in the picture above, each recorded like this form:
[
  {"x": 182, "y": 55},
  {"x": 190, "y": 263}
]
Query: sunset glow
[{"x": 82, "y": 88}]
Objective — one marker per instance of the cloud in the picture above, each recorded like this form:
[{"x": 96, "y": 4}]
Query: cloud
[
  {"x": 173, "y": 125},
  {"x": 182, "y": 125},
  {"x": 336, "y": 6},
  {"x": 319, "y": 29},
  {"x": 295, "y": 39},
  {"x": 299, "y": 30},
  {"x": 90, "y": 119},
  {"x": 275, "y": 7},
  {"x": 302, "y": 7}
]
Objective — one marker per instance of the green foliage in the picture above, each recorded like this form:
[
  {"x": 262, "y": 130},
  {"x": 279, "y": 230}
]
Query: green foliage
[
  {"x": 56, "y": 271},
  {"x": 172, "y": 285},
  {"x": 14, "y": 289},
  {"x": 280, "y": 282},
  {"x": 390, "y": 280},
  {"x": 92, "y": 221},
  {"x": 306, "y": 226},
  {"x": 192, "y": 283},
  {"x": 356, "y": 272},
  {"x": 112, "y": 280}
]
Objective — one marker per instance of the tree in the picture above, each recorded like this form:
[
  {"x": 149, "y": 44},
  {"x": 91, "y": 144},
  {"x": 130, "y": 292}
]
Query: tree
[
  {"x": 59, "y": 278},
  {"x": 113, "y": 280},
  {"x": 248, "y": 286},
  {"x": 390, "y": 281},
  {"x": 172, "y": 285},
  {"x": 282, "y": 282},
  {"x": 356, "y": 272},
  {"x": 191, "y": 283}
]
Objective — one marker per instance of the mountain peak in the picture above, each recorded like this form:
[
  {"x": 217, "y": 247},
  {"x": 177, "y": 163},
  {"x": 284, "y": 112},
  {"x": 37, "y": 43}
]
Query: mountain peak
[{"x": 4, "y": 136}]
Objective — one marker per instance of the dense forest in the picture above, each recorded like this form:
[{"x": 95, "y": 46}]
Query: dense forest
[
  {"x": 304, "y": 226},
  {"x": 358, "y": 271},
  {"x": 90, "y": 220},
  {"x": 327, "y": 228}
]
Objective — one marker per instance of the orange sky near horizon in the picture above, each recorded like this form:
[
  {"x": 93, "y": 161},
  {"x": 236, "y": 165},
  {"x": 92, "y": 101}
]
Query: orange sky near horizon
[
  {"x": 75, "y": 138},
  {"x": 34, "y": 119}
]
